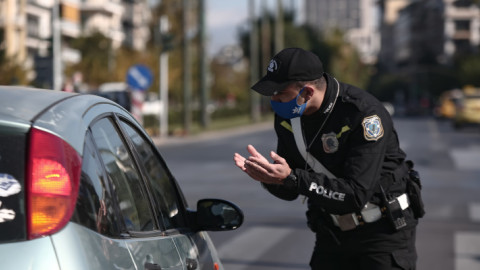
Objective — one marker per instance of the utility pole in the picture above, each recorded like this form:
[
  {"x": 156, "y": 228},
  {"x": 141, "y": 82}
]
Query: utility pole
[
  {"x": 57, "y": 47},
  {"x": 254, "y": 96},
  {"x": 266, "y": 36},
  {"x": 163, "y": 85},
  {"x": 204, "y": 90},
  {"x": 187, "y": 89},
  {"x": 279, "y": 28}
]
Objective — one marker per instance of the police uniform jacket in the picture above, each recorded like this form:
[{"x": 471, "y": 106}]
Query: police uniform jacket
[{"x": 357, "y": 144}]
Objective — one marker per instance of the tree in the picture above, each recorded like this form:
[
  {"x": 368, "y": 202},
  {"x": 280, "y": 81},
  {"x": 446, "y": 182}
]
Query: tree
[
  {"x": 97, "y": 58},
  {"x": 344, "y": 61},
  {"x": 12, "y": 73},
  {"x": 468, "y": 69}
]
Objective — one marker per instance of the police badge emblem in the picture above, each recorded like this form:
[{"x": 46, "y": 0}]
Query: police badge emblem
[
  {"x": 372, "y": 128},
  {"x": 330, "y": 143}
]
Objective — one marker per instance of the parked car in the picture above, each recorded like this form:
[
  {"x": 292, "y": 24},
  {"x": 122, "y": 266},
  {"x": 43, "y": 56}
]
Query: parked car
[
  {"x": 447, "y": 103},
  {"x": 82, "y": 186},
  {"x": 116, "y": 91}
]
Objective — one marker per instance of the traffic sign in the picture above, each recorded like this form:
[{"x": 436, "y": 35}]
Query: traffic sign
[{"x": 139, "y": 77}]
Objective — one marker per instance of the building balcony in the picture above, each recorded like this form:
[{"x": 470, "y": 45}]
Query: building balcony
[
  {"x": 70, "y": 55},
  {"x": 70, "y": 29},
  {"x": 108, "y": 7},
  {"x": 461, "y": 35}
]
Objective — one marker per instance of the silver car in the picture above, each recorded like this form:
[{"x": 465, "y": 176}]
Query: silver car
[{"x": 82, "y": 186}]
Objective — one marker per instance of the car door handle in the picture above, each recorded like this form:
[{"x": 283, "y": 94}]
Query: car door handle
[
  {"x": 152, "y": 266},
  {"x": 191, "y": 264}
]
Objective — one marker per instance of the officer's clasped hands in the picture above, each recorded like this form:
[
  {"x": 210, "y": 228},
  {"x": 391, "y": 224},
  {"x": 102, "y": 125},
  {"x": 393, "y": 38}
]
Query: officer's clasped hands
[{"x": 260, "y": 169}]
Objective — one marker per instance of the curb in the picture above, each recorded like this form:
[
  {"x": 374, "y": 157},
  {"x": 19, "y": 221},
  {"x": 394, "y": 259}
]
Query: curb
[{"x": 212, "y": 135}]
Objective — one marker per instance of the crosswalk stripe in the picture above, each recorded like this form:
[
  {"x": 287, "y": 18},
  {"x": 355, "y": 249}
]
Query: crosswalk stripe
[
  {"x": 474, "y": 210},
  {"x": 249, "y": 246},
  {"x": 467, "y": 248},
  {"x": 466, "y": 159}
]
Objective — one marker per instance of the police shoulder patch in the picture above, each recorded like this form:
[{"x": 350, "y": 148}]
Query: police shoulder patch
[{"x": 372, "y": 128}]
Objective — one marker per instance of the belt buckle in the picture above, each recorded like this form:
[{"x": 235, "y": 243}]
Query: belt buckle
[{"x": 347, "y": 222}]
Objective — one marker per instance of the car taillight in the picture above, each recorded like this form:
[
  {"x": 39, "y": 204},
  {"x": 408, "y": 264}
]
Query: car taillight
[{"x": 53, "y": 177}]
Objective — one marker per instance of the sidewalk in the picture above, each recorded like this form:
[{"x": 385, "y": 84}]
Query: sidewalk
[{"x": 210, "y": 135}]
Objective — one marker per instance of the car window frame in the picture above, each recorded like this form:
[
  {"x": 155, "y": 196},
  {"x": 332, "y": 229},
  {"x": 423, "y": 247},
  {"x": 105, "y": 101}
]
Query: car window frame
[
  {"x": 123, "y": 233},
  {"x": 182, "y": 203},
  {"x": 158, "y": 228}
]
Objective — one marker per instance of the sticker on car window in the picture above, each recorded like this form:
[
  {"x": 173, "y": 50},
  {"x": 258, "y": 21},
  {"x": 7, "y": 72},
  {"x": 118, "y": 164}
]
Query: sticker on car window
[
  {"x": 8, "y": 185},
  {"x": 6, "y": 214}
]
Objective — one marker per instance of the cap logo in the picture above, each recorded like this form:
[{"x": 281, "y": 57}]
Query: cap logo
[{"x": 272, "y": 66}]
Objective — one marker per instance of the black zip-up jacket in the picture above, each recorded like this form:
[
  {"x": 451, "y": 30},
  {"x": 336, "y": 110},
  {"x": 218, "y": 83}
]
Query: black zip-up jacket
[{"x": 357, "y": 144}]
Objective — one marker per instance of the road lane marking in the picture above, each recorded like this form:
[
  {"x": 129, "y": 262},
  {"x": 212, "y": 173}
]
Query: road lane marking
[
  {"x": 250, "y": 245},
  {"x": 437, "y": 144},
  {"x": 269, "y": 236},
  {"x": 474, "y": 209},
  {"x": 467, "y": 250},
  {"x": 466, "y": 158}
]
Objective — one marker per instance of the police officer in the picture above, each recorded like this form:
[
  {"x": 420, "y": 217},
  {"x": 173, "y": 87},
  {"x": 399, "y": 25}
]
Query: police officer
[{"x": 338, "y": 148}]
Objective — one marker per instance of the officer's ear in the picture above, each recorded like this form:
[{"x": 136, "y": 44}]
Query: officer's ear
[{"x": 308, "y": 92}]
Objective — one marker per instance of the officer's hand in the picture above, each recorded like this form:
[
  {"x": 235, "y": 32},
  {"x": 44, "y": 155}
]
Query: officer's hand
[
  {"x": 240, "y": 160},
  {"x": 260, "y": 169}
]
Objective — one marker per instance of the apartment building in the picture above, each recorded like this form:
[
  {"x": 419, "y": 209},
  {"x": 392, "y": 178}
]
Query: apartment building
[
  {"x": 358, "y": 19},
  {"x": 433, "y": 29},
  {"x": 12, "y": 27},
  {"x": 389, "y": 13},
  {"x": 461, "y": 27},
  {"x": 27, "y": 29}
]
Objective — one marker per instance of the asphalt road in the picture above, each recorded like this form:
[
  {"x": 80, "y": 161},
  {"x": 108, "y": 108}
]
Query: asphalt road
[{"x": 275, "y": 236}]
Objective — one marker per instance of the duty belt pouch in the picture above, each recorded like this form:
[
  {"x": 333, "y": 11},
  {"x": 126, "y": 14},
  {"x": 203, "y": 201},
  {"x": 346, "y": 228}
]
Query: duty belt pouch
[{"x": 414, "y": 191}]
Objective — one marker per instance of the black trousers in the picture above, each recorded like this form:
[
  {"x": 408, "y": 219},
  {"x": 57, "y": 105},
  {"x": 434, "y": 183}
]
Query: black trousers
[{"x": 368, "y": 249}]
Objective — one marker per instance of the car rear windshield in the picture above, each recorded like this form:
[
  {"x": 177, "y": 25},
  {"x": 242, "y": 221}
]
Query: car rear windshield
[{"x": 12, "y": 188}]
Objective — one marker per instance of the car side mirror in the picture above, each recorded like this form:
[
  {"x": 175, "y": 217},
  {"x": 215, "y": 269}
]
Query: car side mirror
[{"x": 218, "y": 215}]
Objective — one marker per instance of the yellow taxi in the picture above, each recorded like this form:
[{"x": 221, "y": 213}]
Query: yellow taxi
[
  {"x": 447, "y": 103},
  {"x": 468, "y": 108}
]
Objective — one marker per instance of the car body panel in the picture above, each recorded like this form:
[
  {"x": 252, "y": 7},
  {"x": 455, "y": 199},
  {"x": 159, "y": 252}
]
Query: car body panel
[
  {"x": 38, "y": 254},
  {"x": 75, "y": 243},
  {"x": 161, "y": 251},
  {"x": 13, "y": 101},
  {"x": 468, "y": 110},
  {"x": 206, "y": 251},
  {"x": 78, "y": 245},
  {"x": 67, "y": 125}
]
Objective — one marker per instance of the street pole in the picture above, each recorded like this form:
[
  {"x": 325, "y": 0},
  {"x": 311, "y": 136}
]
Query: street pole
[
  {"x": 205, "y": 117},
  {"x": 187, "y": 118},
  {"x": 279, "y": 28},
  {"x": 57, "y": 47},
  {"x": 254, "y": 96},
  {"x": 163, "y": 85}
]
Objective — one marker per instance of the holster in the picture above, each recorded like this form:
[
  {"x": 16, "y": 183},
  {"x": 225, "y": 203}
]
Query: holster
[{"x": 414, "y": 191}]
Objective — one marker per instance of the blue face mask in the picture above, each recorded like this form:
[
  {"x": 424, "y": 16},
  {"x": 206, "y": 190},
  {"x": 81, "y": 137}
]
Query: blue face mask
[{"x": 290, "y": 109}]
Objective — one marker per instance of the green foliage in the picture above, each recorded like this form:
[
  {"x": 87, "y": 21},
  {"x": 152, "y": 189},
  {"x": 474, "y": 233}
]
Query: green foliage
[
  {"x": 384, "y": 86},
  {"x": 11, "y": 73},
  {"x": 344, "y": 61},
  {"x": 97, "y": 58},
  {"x": 468, "y": 70},
  {"x": 338, "y": 57},
  {"x": 229, "y": 83}
]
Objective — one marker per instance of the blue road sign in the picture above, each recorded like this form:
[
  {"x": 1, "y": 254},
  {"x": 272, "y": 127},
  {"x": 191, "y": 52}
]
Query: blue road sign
[{"x": 139, "y": 77}]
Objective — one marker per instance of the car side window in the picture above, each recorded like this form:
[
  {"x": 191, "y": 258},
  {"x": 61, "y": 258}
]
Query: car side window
[
  {"x": 127, "y": 184},
  {"x": 94, "y": 208},
  {"x": 162, "y": 186}
]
